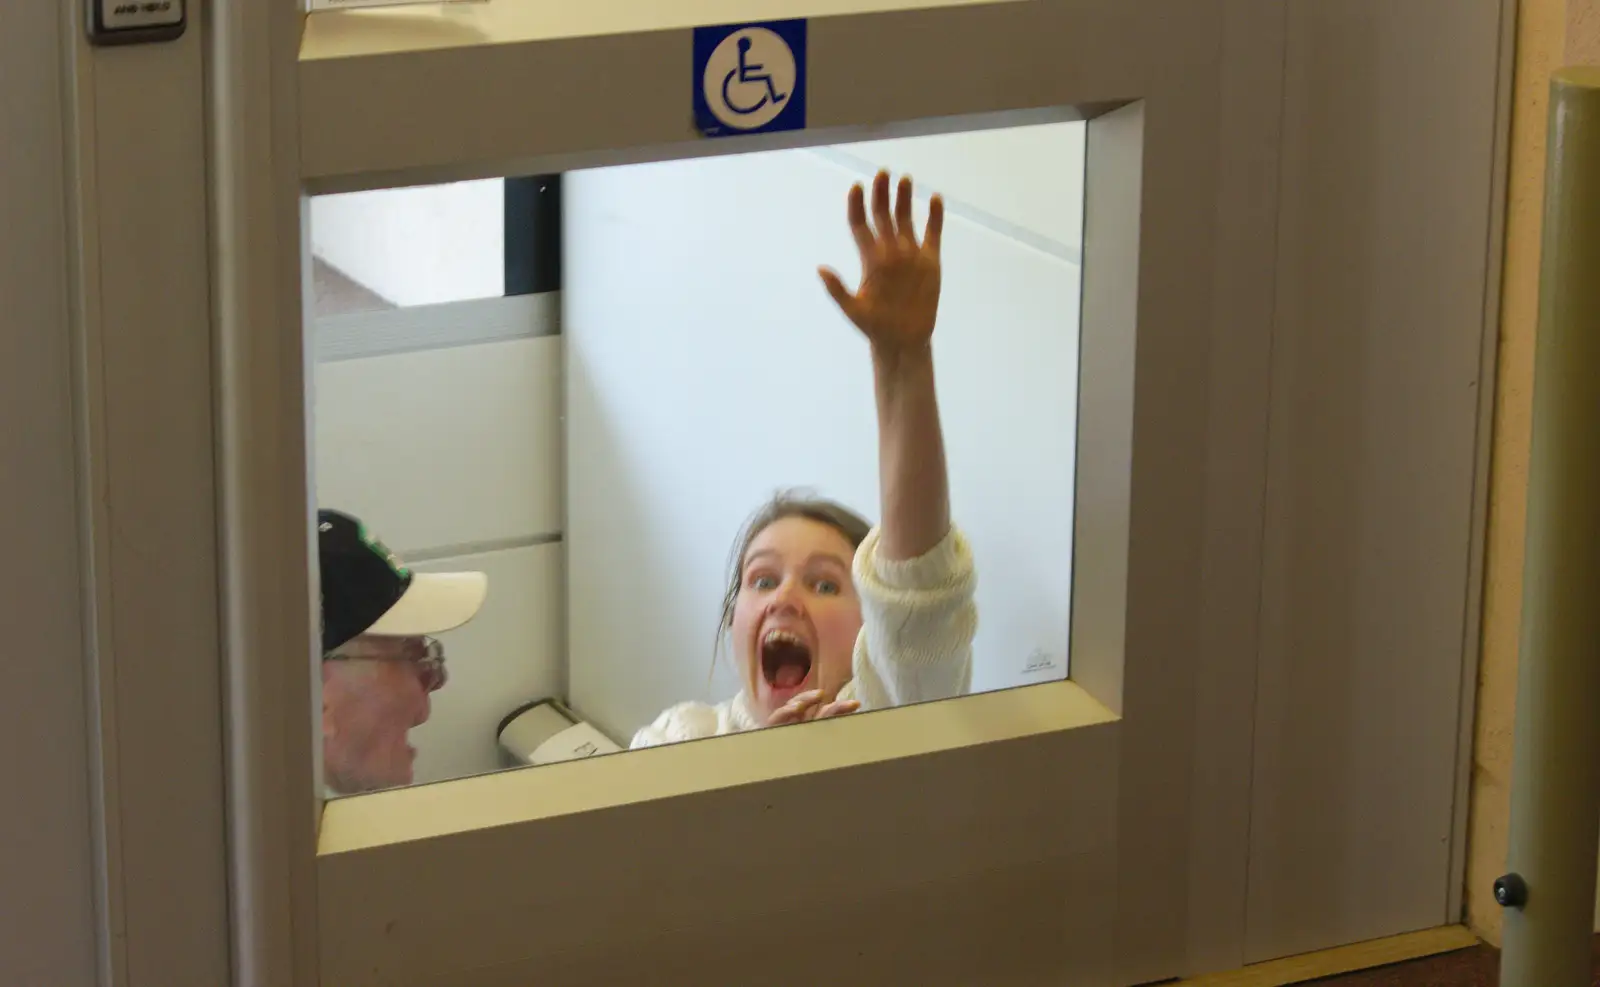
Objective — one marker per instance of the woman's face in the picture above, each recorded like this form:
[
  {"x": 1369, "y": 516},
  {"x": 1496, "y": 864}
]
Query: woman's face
[{"x": 796, "y": 616}]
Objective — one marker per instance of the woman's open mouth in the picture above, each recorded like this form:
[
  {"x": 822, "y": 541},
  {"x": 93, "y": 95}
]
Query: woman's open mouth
[{"x": 785, "y": 662}]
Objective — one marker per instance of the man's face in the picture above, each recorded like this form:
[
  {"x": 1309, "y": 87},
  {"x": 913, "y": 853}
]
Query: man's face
[{"x": 372, "y": 695}]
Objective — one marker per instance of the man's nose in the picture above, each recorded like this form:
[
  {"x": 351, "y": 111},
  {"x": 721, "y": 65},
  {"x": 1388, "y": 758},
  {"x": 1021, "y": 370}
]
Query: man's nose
[
  {"x": 421, "y": 701},
  {"x": 432, "y": 679}
]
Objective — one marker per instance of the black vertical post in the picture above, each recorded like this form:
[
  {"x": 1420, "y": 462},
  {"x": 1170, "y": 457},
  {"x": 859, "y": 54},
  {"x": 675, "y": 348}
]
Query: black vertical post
[{"x": 533, "y": 234}]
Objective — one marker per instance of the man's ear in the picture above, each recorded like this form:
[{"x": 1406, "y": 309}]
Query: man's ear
[
  {"x": 334, "y": 685},
  {"x": 330, "y": 674}
]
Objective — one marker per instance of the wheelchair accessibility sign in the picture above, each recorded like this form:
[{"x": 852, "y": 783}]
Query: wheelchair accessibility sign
[{"x": 750, "y": 79}]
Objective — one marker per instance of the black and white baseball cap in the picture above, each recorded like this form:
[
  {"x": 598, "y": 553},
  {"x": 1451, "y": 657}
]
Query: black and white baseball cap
[{"x": 367, "y": 590}]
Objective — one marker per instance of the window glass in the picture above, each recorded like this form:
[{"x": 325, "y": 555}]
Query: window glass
[{"x": 543, "y": 549}]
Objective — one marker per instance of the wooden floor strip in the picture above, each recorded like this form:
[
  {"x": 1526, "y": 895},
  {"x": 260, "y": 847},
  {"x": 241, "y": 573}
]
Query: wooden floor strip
[{"x": 1344, "y": 959}]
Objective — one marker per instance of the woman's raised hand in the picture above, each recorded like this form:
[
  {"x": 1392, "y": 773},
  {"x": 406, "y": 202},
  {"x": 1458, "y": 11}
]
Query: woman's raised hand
[{"x": 897, "y": 302}]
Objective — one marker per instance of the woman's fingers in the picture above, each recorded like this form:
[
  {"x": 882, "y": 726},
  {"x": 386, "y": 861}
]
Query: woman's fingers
[
  {"x": 935, "y": 231},
  {"x": 881, "y": 217},
  {"x": 905, "y": 226},
  {"x": 892, "y": 231},
  {"x": 894, "y": 221},
  {"x": 809, "y": 706},
  {"x": 841, "y": 707},
  {"x": 795, "y": 709},
  {"x": 856, "y": 210}
]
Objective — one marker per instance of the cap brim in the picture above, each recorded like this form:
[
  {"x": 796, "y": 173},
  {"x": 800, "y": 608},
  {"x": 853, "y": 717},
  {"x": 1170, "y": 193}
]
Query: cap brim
[{"x": 435, "y": 602}]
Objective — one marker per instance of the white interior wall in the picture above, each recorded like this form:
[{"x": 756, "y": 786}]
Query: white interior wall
[
  {"x": 1023, "y": 180},
  {"x": 447, "y": 450},
  {"x": 452, "y": 455},
  {"x": 707, "y": 367},
  {"x": 417, "y": 246},
  {"x": 508, "y": 655}
]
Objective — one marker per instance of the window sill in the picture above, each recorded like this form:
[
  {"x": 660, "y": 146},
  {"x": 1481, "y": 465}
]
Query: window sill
[{"x": 522, "y": 796}]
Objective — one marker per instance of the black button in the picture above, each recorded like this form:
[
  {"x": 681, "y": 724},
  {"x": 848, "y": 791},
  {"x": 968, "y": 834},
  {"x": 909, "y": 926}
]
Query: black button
[{"x": 1511, "y": 891}]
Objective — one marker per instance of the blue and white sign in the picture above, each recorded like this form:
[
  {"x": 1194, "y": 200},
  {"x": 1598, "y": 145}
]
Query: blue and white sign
[{"x": 750, "y": 78}]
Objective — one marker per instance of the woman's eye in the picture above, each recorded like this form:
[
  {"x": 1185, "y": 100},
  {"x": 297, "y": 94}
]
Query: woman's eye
[
  {"x": 763, "y": 582},
  {"x": 827, "y": 587}
]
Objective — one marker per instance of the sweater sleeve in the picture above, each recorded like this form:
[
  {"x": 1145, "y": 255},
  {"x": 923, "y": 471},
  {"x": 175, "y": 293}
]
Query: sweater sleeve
[
  {"x": 918, "y": 621},
  {"x": 685, "y": 721}
]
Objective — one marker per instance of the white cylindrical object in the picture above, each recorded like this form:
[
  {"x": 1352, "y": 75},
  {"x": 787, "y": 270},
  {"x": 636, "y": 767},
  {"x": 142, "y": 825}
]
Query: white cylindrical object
[
  {"x": 546, "y": 732},
  {"x": 577, "y": 741}
]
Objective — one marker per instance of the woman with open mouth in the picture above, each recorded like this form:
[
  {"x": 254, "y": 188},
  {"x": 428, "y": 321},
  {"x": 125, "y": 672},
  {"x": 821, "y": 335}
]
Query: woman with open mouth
[{"x": 826, "y": 614}]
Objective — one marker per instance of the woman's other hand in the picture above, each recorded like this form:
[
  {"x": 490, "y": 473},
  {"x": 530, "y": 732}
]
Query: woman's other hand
[
  {"x": 897, "y": 303},
  {"x": 809, "y": 706},
  {"x": 839, "y": 707}
]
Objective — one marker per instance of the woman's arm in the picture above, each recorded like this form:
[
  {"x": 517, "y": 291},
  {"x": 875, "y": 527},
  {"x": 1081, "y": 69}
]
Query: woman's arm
[
  {"x": 896, "y": 307},
  {"x": 913, "y": 484},
  {"x": 914, "y": 572}
]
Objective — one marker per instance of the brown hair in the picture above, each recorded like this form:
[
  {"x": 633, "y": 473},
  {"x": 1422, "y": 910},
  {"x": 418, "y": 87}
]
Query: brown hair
[{"x": 784, "y": 504}]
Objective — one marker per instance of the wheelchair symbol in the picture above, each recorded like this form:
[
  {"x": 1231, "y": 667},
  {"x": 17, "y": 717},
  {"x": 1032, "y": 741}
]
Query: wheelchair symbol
[
  {"x": 749, "y": 78},
  {"x": 749, "y": 72}
]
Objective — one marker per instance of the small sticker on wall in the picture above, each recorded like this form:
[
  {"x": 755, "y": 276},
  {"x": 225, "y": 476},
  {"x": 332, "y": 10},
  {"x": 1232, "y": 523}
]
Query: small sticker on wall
[{"x": 1040, "y": 662}]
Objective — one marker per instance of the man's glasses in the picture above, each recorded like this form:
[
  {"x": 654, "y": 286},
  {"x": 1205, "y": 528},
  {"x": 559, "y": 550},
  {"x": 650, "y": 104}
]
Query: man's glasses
[{"x": 426, "y": 653}]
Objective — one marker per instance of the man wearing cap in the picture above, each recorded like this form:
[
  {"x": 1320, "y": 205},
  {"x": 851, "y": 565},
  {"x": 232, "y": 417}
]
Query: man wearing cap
[{"x": 379, "y": 660}]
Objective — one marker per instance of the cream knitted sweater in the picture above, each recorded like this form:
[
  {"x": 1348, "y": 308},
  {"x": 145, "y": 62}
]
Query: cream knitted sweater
[{"x": 918, "y": 620}]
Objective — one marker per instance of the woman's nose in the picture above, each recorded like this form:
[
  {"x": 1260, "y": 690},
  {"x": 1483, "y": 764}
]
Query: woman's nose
[{"x": 786, "y": 598}]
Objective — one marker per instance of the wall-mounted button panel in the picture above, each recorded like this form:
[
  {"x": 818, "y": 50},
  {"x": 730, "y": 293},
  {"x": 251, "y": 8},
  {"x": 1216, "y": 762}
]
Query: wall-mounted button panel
[{"x": 123, "y": 22}]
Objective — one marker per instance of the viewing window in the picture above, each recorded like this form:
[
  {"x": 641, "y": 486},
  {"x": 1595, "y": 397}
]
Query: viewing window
[{"x": 586, "y": 386}]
